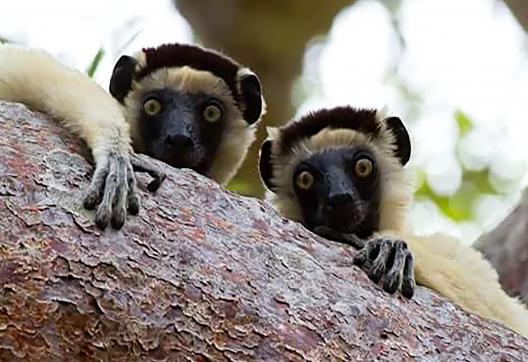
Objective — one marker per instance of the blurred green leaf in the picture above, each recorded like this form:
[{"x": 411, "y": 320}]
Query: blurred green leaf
[
  {"x": 464, "y": 123},
  {"x": 481, "y": 180},
  {"x": 459, "y": 206},
  {"x": 95, "y": 62},
  {"x": 240, "y": 187}
]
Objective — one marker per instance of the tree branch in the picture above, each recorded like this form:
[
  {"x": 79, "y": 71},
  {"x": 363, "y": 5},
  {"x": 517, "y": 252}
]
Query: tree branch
[{"x": 200, "y": 274}]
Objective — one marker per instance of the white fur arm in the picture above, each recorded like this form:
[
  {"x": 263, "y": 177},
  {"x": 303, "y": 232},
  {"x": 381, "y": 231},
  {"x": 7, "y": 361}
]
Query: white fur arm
[
  {"x": 35, "y": 78},
  {"x": 462, "y": 275}
]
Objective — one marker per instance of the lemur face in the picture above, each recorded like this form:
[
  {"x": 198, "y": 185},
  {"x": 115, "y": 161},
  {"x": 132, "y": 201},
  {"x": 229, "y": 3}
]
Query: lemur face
[
  {"x": 339, "y": 188},
  {"x": 339, "y": 169},
  {"x": 189, "y": 106},
  {"x": 182, "y": 129}
]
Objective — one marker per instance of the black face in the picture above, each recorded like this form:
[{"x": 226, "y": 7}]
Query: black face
[
  {"x": 181, "y": 129},
  {"x": 339, "y": 189}
]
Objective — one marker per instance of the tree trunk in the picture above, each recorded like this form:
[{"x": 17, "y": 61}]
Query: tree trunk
[
  {"x": 506, "y": 247},
  {"x": 201, "y": 274},
  {"x": 270, "y": 37},
  {"x": 519, "y": 9}
]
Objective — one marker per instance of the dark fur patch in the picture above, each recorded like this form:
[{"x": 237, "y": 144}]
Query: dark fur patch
[
  {"x": 265, "y": 166},
  {"x": 362, "y": 120},
  {"x": 122, "y": 76},
  {"x": 403, "y": 141},
  {"x": 179, "y": 55}
]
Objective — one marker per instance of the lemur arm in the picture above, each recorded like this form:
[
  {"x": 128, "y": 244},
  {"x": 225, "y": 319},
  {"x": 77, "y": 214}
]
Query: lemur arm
[
  {"x": 36, "y": 79},
  {"x": 462, "y": 275}
]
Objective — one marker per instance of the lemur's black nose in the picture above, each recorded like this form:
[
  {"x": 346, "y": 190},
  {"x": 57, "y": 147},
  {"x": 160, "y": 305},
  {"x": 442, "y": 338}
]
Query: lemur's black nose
[
  {"x": 179, "y": 141},
  {"x": 340, "y": 201}
]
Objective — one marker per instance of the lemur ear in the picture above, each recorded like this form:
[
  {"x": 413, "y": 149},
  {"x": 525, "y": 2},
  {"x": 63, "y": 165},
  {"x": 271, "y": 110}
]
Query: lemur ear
[
  {"x": 403, "y": 141},
  {"x": 121, "y": 80},
  {"x": 265, "y": 167},
  {"x": 252, "y": 93}
]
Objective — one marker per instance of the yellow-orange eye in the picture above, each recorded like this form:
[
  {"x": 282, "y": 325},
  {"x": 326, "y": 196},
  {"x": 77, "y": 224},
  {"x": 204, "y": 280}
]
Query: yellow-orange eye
[
  {"x": 212, "y": 113},
  {"x": 304, "y": 180},
  {"x": 152, "y": 107},
  {"x": 363, "y": 167}
]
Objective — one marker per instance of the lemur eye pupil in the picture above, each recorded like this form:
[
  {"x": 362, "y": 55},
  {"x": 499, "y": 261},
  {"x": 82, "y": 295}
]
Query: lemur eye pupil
[
  {"x": 152, "y": 107},
  {"x": 305, "y": 180},
  {"x": 212, "y": 113},
  {"x": 363, "y": 167}
]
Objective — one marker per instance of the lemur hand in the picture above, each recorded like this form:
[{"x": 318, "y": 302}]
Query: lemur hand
[
  {"x": 142, "y": 164},
  {"x": 113, "y": 190},
  {"x": 388, "y": 259},
  {"x": 331, "y": 234}
]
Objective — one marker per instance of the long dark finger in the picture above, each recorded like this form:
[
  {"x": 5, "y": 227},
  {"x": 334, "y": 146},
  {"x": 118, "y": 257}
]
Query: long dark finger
[
  {"x": 120, "y": 197},
  {"x": 95, "y": 191},
  {"x": 132, "y": 198},
  {"x": 102, "y": 215},
  {"x": 393, "y": 278},
  {"x": 408, "y": 283},
  {"x": 353, "y": 240},
  {"x": 363, "y": 256},
  {"x": 379, "y": 264},
  {"x": 331, "y": 234},
  {"x": 141, "y": 165}
]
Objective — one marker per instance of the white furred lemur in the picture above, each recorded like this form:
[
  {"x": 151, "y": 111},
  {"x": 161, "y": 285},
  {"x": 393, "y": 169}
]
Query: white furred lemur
[
  {"x": 341, "y": 173},
  {"x": 185, "y": 105}
]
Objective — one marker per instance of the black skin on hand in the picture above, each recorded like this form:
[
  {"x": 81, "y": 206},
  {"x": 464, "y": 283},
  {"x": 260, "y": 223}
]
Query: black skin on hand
[
  {"x": 142, "y": 164},
  {"x": 390, "y": 261},
  {"x": 113, "y": 191},
  {"x": 384, "y": 259}
]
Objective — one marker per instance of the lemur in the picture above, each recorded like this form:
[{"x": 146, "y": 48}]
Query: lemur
[
  {"x": 341, "y": 173},
  {"x": 185, "y": 105}
]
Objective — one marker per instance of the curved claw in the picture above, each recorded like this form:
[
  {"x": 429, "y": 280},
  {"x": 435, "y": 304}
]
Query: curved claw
[
  {"x": 390, "y": 261},
  {"x": 140, "y": 164}
]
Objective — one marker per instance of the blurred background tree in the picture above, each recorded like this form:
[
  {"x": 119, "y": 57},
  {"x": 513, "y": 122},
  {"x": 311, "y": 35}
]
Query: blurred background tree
[
  {"x": 456, "y": 72},
  {"x": 271, "y": 37}
]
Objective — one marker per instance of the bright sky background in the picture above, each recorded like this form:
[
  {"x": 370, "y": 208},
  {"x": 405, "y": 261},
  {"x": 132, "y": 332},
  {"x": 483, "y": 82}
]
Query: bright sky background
[{"x": 469, "y": 55}]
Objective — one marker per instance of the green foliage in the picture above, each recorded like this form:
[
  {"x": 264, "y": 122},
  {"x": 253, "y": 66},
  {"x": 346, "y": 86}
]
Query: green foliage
[
  {"x": 96, "y": 60},
  {"x": 241, "y": 187},
  {"x": 459, "y": 206},
  {"x": 464, "y": 123}
]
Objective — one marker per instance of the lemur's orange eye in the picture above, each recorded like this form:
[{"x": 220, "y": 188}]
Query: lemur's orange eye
[
  {"x": 152, "y": 107},
  {"x": 212, "y": 113},
  {"x": 304, "y": 180},
  {"x": 363, "y": 167}
]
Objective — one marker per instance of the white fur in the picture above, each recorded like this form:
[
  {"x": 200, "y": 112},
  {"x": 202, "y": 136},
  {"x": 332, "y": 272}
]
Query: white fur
[{"x": 35, "y": 78}]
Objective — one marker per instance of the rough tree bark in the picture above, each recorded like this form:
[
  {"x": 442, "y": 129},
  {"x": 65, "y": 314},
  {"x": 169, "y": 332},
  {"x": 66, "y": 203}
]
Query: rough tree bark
[
  {"x": 270, "y": 36},
  {"x": 506, "y": 247},
  {"x": 200, "y": 274}
]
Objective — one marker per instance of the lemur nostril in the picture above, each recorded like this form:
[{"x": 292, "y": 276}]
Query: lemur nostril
[
  {"x": 340, "y": 200},
  {"x": 179, "y": 141}
]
